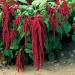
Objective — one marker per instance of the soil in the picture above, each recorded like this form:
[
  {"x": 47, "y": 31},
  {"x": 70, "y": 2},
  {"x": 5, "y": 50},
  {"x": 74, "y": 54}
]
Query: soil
[{"x": 49, "y": 68}]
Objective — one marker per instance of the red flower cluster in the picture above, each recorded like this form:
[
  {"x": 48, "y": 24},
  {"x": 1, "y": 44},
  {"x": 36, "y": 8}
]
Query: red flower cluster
[
  {"x": 51, "y": 11},
  {"x": 1, "y": 1},
  {"x": 38, "y": 39},
  {"x": 57, "y": 2},
  {"x": 37, "y": 28},
  {"x": 26, "y": 26},
  {"x": 17, "y": 21},
  {"x": 6, "y": 34},
  {"x": 20, "y": 61},
  {"x": 12, "y": 35},
  {"x": 54, "y": 22},
  {"x": 64, "y": 10},
  {"x": 5, "y": 19}
]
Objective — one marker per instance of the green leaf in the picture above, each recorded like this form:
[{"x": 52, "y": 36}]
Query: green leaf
[
  {"x": 31, "y": 55},
  {"x": 30, "y": 10},
  {"x": 73, "y": 19},
  {"x": 28, "y": 45},
  {"x": 67, "y": 27},
  {"x": 8, "y": 53},
  {"x": 15, "y": 13},
  {"x": 0, "y": 16},
  {"x": 51, "y": 56},
  {"x": 1, "y": 42},
  {"x": 59, "y": 30},
  {"x": 15, "y": 43},
  {"x": 38, "y": 2},
  {"x": 19, "y": 11},
  {"x": 23, "y": 7},
  {"x": 57, "y": 44},
  {"x": 28, "y": 50},
  {"x": 48, "y": 44},
  {"x": 52, "y": 3},
  {"x": 73, "y": 37},
  {"x": 47, "y": 23},
  {"x": 19, "y": 28}
]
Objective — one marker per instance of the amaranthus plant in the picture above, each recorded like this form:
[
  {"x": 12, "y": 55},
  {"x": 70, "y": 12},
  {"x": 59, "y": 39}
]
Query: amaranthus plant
[{"x": 34, "y": 30}]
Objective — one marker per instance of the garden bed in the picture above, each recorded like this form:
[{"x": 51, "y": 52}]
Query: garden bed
[{"x": 35, "y": 31}]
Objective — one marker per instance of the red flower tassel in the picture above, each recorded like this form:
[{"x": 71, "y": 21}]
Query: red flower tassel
[
  {"x": 54, "y": 24},
  {"x": 12, "y": 35},
  {"x": 37, "y": 41},
  {"x": 51, "y": 11},
  {"x": 5, "y": 34},
  {"x": 26, "y": 26},
  {"x": 5, "y": 20},
  {"x": 20, "y": 61},
  {"x": 17, "y": 21}
]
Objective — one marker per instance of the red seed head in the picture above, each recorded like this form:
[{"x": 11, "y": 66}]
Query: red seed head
[
  {"x": 12, "y": 35},
  {"x": 38, "y": 30},
  {"x": 57, "y": 2},
  {"x": 54, "y": 22},
  {"x": 64, "y": 10},
  {"x": 20, "y": 61},
  {"x": 6, "y": 8},
  {"x": 17, "y": 21},
  {"x": 51, "y": 11}
]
